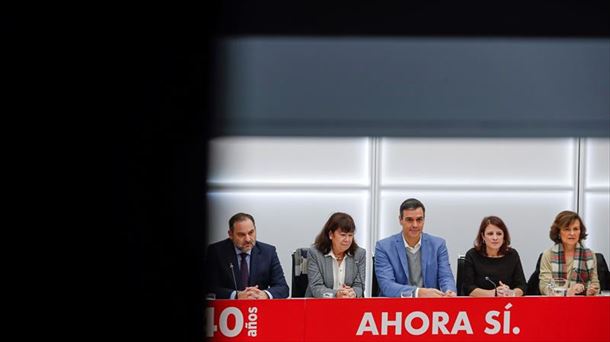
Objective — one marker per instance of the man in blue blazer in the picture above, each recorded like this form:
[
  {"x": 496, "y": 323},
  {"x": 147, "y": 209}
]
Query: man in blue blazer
[
  {"x": 243, "y": 268},
  {"x": 413, "y": 263}
]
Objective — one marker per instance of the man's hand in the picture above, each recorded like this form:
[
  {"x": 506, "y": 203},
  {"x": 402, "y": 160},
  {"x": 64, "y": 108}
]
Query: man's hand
[
  {"x": 450, "y": 293},
  {"x": 245, "y": 294},
  {"x": 252, "y": 292},
  {"x": 429, "y": 293}
]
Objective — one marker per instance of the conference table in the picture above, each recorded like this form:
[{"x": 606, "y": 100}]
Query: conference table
[{"x": 531, "y": 318}]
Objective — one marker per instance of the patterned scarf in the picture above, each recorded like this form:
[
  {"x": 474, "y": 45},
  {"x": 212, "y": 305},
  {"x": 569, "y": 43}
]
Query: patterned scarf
[{"x": 581, "y": 267}]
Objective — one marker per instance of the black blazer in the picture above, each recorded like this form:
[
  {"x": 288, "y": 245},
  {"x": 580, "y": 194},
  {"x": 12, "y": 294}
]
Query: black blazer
[{"x": 265, "y": 270}]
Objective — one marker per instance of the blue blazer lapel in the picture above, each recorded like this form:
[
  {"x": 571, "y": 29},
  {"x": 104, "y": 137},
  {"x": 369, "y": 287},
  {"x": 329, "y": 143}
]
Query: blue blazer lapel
[
  {"x": 402, "y": 254},
  {"x": 424, "y": 258}
]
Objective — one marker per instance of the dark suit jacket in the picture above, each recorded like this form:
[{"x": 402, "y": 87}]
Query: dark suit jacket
[{"x": 265, "y": 270}]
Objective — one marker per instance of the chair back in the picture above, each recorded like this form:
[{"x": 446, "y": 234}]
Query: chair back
[
  {"x": 532, "y": 284},
  {"x": 375, "y": 285},
  {"x": 460, "y": 275},
  {"x": 299, "y": 273},
  {"x": 603, "y": 274}
]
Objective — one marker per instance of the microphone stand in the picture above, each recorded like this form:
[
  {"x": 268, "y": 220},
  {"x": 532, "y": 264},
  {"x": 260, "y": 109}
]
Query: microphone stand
[
  {"x": 233, "y": 275},
  {"x": 494, "y": 284}
]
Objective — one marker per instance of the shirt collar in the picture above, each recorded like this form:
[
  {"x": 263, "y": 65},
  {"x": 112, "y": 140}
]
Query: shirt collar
[
  {"x": 415, "y": 248},
  {"x": 332, "y": 255},
  {"x": 238, "y": 251}
]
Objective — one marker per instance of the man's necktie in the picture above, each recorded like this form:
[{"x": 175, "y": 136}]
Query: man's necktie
[{"x": 244, "y": 273}]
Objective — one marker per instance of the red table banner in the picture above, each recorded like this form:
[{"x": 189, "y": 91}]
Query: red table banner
[{"x": 414, "y": 319}]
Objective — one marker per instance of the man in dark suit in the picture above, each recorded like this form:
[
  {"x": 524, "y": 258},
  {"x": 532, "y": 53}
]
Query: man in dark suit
[{"x": 243, "y": 268}]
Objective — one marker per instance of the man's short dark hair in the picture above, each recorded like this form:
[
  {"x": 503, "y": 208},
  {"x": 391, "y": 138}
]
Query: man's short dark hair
[
  {"x": 411, "y": 204},
  {"x": 240, "y": 217}
]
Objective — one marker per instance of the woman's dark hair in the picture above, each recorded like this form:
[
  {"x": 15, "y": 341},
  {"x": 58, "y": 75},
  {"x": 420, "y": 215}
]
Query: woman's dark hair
[
  {"x": 564, "y": 219},
  {"x": 479, "y": 243},
  {"x": 336, "y": 221}
]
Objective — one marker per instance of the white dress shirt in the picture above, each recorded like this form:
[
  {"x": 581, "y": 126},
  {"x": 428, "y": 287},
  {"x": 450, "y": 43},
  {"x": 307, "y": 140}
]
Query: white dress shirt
[{"x": 338, "y": 270}]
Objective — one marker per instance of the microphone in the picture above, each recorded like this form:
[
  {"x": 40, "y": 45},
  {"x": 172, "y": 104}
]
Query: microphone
[
  {"x": 233, "y": 274},
  {"x": 494, "y": 284}
]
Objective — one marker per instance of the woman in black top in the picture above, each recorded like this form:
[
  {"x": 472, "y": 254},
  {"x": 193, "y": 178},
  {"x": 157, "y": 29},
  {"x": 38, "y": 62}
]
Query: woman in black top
[{"x": 492, "y": 267}]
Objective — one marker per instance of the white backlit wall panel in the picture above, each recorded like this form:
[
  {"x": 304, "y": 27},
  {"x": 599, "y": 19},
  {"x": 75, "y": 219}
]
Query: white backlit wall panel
[
  {"x": 597, "y": 221},
  {"x": 596, "y": 200},
  {"x": 288, "y": 219},
  {"x": 597, "y": 164},
  {"x": 456, "y": 216},
  {"x": 289, "y": 161},
  {"x": 478, "y": 162}
]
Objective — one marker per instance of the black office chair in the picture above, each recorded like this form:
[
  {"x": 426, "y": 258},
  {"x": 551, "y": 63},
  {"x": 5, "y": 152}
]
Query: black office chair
[
  {"x": 460, "y": 275},
  {"x": 532, "y": 284},
  {"x": 603, "y": 274},
  {"x": 299, "y": 273},
  {"x": 375, "y": 285}
]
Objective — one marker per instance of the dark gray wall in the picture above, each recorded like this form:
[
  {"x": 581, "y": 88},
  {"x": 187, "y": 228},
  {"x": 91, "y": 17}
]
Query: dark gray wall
[{"x": 415, "y": 86}]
